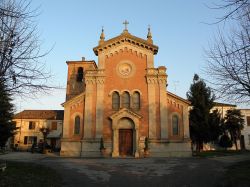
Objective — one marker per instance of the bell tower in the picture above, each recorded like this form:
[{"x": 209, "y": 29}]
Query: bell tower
[
  {"x": 75, "y": 80},
  {"x": 76, "y": 76}
]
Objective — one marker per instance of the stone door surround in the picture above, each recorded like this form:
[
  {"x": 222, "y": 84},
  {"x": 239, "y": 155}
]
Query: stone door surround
[{"x": 125, "y": 119}]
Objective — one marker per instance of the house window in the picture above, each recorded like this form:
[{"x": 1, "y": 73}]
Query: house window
[
  {"x": 175, "y": 125},
  {"x": 79, "y": 77},
  {"x": 54, "y": 125},
  {"x": 248, "y": 120},
  {"x": 77, "y": 125},
  {"x": 25, "y": 141},
  {"x": 125, "y": 100},
  {"x": 115, "y": 101},
  {"x": 32, "y": 125},
  {"x": 136, "y": 100},
  {"x": 30, "y": 140}
]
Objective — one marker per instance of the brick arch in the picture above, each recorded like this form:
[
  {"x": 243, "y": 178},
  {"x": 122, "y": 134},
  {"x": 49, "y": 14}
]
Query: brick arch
[
  {"x": 114, "y": 90},
  {"x": 125, "y": 90},
  {"x": 125, "y": 123},
  {"x": 136, "y": 90}
]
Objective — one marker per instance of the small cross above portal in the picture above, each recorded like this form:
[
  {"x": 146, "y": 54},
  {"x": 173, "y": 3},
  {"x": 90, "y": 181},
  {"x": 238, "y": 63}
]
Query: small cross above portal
[{"x": 126, "y": 25}]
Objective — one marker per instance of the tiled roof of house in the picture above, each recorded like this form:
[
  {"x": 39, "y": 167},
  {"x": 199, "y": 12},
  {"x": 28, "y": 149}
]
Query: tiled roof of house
[
  {"x": 224, "y": 104},
  {"x": 40, "y": 114}
]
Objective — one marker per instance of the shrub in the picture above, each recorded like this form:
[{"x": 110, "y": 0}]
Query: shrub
[
  {"x": 146, "y": 143},
  {"x": 225, "y": 141},
  {"x": 101, "y": 144}
]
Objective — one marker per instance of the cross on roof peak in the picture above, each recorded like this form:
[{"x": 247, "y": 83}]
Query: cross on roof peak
[{"x": 126, "y": 25}]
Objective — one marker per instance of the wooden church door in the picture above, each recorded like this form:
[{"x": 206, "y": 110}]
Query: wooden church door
[{"x": 125, "y": 142}]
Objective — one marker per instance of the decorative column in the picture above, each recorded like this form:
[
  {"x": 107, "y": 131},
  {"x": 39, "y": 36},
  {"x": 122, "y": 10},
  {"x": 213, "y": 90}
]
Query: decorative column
[
  {"x": 99, "y": 104},
  {"x": 151, "y": 81},
  {"x": 101, "y": 55},
  {"x": 115, "y": 152},
  {"x": 186, "y": 122},
  {"x": 137, "y": 142},
  {"x": 66, "y": 121},
  {"x": 88, "y": 106},
  {"x": 162, "y": 81},
  {"x": 101, "y": 60},
  {"x": 150, "y": 60},
  {"x": 150, "y": 56}
]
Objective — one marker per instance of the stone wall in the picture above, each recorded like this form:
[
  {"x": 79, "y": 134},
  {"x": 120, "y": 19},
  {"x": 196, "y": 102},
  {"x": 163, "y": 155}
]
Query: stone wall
[{"x": 167, "y": 149}]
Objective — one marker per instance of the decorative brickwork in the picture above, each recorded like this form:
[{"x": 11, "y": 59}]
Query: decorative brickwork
[{"x": 124, "y": 93}]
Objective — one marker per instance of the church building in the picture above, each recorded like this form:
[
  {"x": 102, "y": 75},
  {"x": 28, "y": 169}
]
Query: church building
[{"x": 123, "y": 104}]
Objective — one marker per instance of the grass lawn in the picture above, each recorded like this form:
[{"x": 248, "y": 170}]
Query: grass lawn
[
  {"x": 220, "y": 153},
  {"x": 28, "y": 174},
  {"x": 238, "y": 175}
]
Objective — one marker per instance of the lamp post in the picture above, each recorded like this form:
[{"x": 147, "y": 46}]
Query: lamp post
[{"x": 45, "y": 132}]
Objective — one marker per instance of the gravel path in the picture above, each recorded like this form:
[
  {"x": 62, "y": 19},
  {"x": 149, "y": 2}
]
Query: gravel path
[{"x": 169, "y": 172}]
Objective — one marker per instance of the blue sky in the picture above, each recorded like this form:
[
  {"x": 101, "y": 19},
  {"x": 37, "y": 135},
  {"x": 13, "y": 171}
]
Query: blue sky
[{"x": 73, "y": 28}]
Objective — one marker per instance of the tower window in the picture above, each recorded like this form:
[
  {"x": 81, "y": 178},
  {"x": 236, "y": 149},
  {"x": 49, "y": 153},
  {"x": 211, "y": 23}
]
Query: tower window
[
  {"x": 115, "y": 101},
  {"x": 79, "y": 77}
]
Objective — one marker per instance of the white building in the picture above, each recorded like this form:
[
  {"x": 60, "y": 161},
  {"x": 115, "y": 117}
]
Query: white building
[
  {"x": 246, "y": 131},
  {"x": 29, "y": 123}
]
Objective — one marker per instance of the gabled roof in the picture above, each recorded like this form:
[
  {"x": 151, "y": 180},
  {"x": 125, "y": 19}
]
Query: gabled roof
[
  {"x": 224, "y": 104},
  {"x": 75, "y": 98},
  {"x": 126, "y": 37},
  {"x": 179, "y": 98},
  {"x": 40, "y": 114},
  {"x": 244, "y": 109}
]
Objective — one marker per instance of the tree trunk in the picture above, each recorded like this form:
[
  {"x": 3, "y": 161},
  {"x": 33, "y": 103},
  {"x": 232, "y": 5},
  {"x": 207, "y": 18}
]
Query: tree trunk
[
  {"x": 197, "y": 146},
  {"x": 201, "y": 146},
  {"x": 236, "y": 145}
]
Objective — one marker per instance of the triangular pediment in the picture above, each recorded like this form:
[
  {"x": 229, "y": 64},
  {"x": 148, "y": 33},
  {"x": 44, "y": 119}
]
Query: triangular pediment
[
  {"x": 75, "y": 99},
  {"x": 124, "y": 112},
  {"x": 126, "y": 37}
]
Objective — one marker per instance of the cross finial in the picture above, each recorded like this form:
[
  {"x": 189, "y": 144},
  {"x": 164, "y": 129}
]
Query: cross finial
[
  {"x": 102, "y": 36},
  {"x": 149, "y": 36},
  {"x": 126, "y": 25}
]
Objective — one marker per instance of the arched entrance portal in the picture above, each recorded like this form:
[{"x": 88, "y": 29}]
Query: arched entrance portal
[{"x": 126, "y": 128}]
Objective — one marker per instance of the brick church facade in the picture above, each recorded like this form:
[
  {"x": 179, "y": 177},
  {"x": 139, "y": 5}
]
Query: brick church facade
[{"x": 123, "y": 100}]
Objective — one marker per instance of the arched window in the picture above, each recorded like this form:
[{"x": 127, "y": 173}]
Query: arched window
[
  {"x": 125, "y": 100},
  {"x": 77, "y": 125},
  {"x": 115, "y": 101},
  {"x": 136, "y": 100},
  {"x": 79, "y": 76},
  {"x": 175, "y": 125}
]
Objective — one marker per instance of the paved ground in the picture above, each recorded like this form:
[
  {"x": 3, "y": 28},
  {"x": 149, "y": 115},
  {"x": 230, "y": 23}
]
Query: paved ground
[{"x": 170, "y": 172}]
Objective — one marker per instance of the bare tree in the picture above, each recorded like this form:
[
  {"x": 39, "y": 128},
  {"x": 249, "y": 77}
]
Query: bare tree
[
  {"x": 228, "y": 64},
  {"x": 235, "y": 9},
  {"x": 21, "y": 65}
]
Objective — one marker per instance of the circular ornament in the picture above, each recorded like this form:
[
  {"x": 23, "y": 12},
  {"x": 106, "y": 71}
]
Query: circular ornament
[{"x": 125, "y": 69}]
